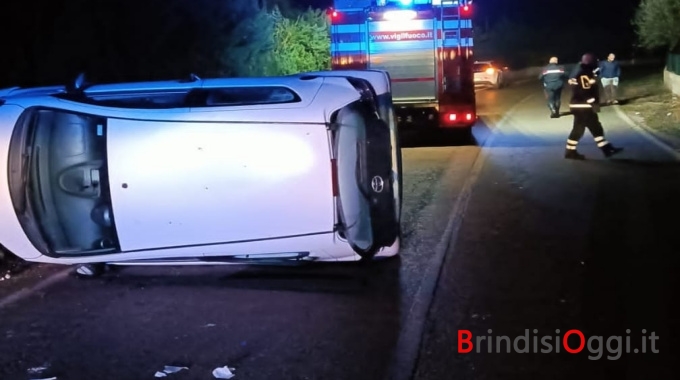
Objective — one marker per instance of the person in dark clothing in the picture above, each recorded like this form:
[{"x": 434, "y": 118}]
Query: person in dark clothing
[
  {"x": 609, "y": 72},
  {"x": 553, "y": 78},
  {"x": 584, "y": 87},
  {"x": 596, "y": 70}
]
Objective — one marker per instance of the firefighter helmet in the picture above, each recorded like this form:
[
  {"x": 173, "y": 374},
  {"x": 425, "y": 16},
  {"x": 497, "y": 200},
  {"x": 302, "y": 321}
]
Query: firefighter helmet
[{"x": 588, "y": 59}]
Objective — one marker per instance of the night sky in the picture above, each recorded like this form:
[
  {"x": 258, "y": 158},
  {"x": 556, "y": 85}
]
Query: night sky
[
  {"x": 49, "y": 40},
  {"x": 614, "y": 14}
]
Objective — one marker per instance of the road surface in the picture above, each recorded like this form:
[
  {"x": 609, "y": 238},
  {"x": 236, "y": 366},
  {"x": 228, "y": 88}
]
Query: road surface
[
  {"x": 549, "y": 246},
  {"x": 544, "y": 244}
]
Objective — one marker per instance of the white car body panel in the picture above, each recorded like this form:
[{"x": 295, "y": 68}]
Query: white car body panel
[
  {"x": 267, "y": 166},
  {"x": 264, "y": 173}
]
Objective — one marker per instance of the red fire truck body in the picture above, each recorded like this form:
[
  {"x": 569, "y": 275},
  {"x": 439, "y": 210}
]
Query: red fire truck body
[{"x": 424, "y": 45}]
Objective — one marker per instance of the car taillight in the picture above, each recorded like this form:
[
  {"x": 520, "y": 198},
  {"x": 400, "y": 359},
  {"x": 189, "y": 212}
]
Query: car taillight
[
  {"x": 334, "y": 175},
  {"x": 452, "y": 117},
  {"x": 468, "y": 116}
]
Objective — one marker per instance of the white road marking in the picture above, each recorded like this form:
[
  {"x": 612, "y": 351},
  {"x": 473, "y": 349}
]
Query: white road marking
[{"x": 405, "y": 357}]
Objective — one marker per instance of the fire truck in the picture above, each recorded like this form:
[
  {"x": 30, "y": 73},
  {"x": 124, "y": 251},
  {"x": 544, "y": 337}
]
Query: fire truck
[{"x": 424, "y": 45}]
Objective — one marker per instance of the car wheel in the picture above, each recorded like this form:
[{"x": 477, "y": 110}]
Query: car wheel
[{"x": 90, "y": 270}]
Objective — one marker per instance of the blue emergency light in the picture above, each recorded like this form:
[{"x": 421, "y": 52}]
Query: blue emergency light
[{"x": 406, "y": 3}]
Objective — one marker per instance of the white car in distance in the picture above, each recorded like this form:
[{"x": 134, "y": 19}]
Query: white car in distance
[
  {"x": 201, "y": 171},
  {"x": 488, "y": 73}
]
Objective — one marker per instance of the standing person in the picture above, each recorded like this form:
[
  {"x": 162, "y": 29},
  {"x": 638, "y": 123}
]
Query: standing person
[
  {"x": 609, "y": 72},
  {"x": 553, "y": 77},
  {"x": 584, "y": 96}
]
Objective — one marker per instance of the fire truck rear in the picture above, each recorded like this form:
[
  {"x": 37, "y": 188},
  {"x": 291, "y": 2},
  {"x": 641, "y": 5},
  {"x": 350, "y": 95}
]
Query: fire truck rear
[{"x": 425, "y": 46}]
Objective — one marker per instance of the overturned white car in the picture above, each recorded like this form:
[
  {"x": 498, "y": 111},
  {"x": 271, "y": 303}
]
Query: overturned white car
[{"x": 201, "y": 171}]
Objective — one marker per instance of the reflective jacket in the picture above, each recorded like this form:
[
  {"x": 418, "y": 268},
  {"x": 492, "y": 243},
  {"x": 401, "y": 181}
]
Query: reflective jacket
[{"x": 584, "y": 88}]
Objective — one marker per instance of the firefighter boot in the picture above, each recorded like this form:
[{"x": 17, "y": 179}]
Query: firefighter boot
[
  {"x": 572, "y": 154},
  {"x": 610, "y": 150}
]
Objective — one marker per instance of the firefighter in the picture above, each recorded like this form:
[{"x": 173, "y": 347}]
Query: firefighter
[
  {"x": 584, "y": 96},
  {"x": 553, "y": 77},
  {"x": 596, "y": 73}
]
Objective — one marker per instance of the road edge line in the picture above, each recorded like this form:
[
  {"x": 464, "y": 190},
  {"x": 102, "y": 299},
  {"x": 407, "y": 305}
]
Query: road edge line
[
  {"x": 404, "y": 362},
  {"x": 27, "y": 292},
  {"x": 644, "y": 132}
]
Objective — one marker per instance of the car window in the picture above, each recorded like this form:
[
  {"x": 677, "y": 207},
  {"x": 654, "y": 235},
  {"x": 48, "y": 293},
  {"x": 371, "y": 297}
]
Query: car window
[
  {"x": 212, "y": 97},
  {"x": 479, "y": 67},
  {"x": 354, "y": 209},
  {"x": 142, "y": 100},
  {"x": 237, "y": 96}
]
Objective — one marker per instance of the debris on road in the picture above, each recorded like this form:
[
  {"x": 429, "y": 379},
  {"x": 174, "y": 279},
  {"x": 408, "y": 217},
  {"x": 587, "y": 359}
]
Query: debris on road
[
  {"x": 37, "y": 373},
  {"x": 223, "y": 372},
  {"x": 169, "y": 369}
]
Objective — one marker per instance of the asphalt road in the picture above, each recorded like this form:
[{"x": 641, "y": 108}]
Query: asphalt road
[
  {"x": 544, "y": 244},
  {"x": 549, "y": 244}
]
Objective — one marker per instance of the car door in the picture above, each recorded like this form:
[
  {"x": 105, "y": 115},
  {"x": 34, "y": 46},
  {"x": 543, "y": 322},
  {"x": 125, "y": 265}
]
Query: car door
[{"x": 368, "y": 187}]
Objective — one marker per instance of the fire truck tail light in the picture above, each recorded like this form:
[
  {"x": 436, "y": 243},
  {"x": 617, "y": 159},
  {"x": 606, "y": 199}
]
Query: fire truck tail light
[
  {"x": 453, "y": 117},
  {"x": 400, "y": 15},
  {"x": 332, "y": 13}
]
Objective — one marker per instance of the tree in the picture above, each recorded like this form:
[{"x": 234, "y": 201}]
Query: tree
[
  {"x": 657, "y": 24},
  {"x": 303, "y": 43},
  {"x": 248, "y": 51}
]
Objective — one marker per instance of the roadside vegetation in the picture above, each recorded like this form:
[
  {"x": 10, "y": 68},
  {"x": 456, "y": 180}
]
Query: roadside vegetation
[{"x": 650, "y": 103}]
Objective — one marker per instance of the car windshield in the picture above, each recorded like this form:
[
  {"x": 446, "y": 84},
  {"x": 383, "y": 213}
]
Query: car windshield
[{"x": 59, "y": 182}]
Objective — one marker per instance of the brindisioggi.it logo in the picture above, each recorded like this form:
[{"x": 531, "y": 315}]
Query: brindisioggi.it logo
[{"x": 572, "y": 342}]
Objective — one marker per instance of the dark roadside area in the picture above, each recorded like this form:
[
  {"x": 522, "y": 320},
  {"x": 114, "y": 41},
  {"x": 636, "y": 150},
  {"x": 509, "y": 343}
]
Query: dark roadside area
[
  {"x": 17, "y": 275},
  {"x": 651, "y": 105}
]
